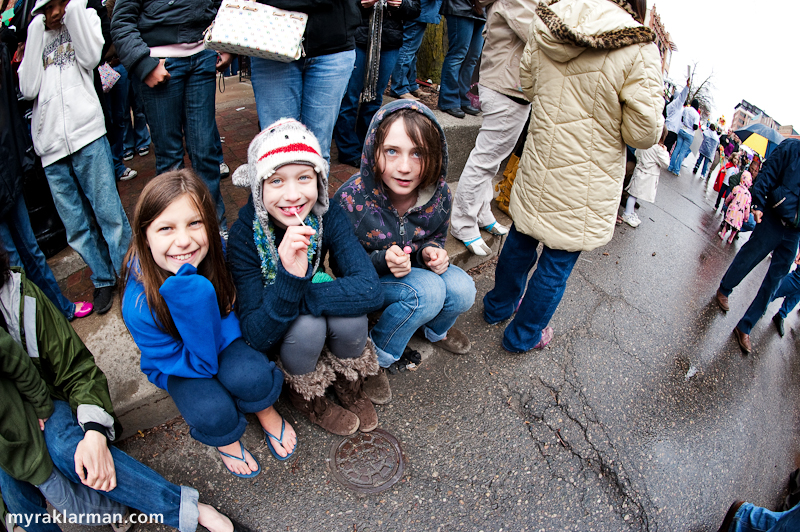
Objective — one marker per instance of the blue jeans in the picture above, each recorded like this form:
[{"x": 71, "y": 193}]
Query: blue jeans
[
  {"x": 138, "y": 486},
  {"x": 789, "y": 290},
  {"x": 117, "y": 99},
  {"x": 20, "y": 243},
  {"x": 769, "y": 235},
  {"x": 353, "y": 122},
  {"x": 706, "y": 164},
  {"x": 421, "y": 298},
  {"x": 465, "y": 39},
  {"x": 749, "y": 225},
  {"x": 90, "y": 170},
  {"x": 309, "y": 90},
  {"x": 404, "y": 76},
  {"x": 545, "y": 289},
  {"x": 137, "y": 136},
  {"x": 247, "y": 381},
  {"x": 78, "y": 499},
  {"x": 184, "y": 106},
  {"x": 682, "y": 148},
  {"x": 750, "y": 518}
]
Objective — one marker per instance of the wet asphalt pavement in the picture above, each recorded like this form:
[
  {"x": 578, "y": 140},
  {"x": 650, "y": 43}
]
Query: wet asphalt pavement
[{"x": 602, "y": 431}]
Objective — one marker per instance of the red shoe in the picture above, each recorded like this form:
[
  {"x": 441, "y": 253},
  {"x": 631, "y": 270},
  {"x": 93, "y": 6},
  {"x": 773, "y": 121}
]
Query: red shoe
[
  {"x": 83, "y": 309},
  {"x": 547, "y": 335}
]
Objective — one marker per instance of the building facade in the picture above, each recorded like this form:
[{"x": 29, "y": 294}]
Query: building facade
[{"x": 665, "y": 45}]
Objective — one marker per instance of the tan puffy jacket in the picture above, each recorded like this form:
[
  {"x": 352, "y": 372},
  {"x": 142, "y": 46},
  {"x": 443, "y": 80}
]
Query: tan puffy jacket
[{"x": 593, "y": 76}]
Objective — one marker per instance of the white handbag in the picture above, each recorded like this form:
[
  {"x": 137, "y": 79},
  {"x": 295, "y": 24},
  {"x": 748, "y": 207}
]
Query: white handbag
[{"x": 249, "y": 28}]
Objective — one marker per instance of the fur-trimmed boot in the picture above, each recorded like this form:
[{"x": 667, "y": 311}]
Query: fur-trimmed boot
[
  {"x": 307, "y": 394},
  {"x": 350, "y": 373}
]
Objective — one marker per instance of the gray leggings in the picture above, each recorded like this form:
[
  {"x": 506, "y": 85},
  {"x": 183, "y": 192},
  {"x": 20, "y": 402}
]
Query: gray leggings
[{"x": 307, "y": 335}]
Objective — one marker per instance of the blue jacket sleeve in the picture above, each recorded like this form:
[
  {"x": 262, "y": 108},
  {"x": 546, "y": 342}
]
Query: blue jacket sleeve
[
  {"x": 192, "y": 303},
  {"x": 356, "y": 289},
  {"x": 265, "y": 312}
]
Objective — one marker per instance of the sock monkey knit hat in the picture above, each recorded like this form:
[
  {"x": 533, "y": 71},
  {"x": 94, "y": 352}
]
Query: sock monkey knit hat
[{"x": 287, "y": 141}]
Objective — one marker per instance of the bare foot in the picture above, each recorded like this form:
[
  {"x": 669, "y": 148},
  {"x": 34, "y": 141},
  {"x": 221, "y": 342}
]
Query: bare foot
[
  {"x": 212, "y": 519},
  {"x": 238, "y": 466},
  {"x": 271, "y": 420}
]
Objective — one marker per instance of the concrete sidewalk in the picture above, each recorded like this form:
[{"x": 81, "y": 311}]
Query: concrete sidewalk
[{"x": 139, "y": 404}]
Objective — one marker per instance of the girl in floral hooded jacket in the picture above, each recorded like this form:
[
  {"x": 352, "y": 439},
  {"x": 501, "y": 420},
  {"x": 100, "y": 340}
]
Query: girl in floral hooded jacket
[{"x": 399, "y": 205}]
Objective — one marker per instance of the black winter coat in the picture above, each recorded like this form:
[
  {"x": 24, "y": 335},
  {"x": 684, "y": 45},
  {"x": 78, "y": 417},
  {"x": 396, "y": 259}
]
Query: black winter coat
[
  {"x": 392, "y": 30},
  {"x": 461, "y": 8},
  {"x": 778, "y": 184},
  {"x": 16, "y": 150},
  {"x": 331, "y": 23}
]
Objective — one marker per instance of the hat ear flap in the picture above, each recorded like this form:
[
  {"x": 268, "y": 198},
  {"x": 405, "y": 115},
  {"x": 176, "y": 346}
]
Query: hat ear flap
[{"x": 241, "y": 176}]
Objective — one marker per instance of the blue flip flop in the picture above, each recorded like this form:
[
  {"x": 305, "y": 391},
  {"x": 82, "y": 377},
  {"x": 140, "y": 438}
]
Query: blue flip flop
[
  {"x": 242, "y": 459},
  {"x": 279, "y": 440}
]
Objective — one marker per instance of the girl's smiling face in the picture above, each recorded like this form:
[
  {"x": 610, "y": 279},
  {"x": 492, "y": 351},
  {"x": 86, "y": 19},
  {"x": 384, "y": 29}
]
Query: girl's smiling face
[
  {"x": 291, "y": 189},
  {"x": 178, "y": 236},
  {"x": 399, "y": 162}
]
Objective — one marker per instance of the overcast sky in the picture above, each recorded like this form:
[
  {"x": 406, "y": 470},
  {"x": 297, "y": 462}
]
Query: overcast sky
[{"x": 751, "y": 46}]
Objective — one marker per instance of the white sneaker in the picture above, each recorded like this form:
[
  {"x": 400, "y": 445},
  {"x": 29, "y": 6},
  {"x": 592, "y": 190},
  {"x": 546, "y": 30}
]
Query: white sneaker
[
  {"x": 224, "y": 171},
  {"x": 128, "y": 174},
  {"x": 496, "y": 229},
  {"x": 478, "y": 247},
  {"x": 631, "y": 219}
]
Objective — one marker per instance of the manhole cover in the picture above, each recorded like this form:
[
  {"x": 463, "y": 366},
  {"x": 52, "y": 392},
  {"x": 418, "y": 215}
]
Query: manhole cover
[{"x": 367, "y": 462}]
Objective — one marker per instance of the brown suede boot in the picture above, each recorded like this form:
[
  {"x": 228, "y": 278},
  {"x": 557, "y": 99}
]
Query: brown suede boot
[
  {"x": 350, "y": 373},
  {"x": 307, "y": 394},
  {"x": 456, "y": 342},
  {"x": 377, "y": 388},
  {"x": 353, "y": 398}
]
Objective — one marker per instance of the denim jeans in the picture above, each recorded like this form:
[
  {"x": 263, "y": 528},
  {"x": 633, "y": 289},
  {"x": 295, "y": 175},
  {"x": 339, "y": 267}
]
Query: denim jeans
[
  {"x": 789, "y": 290},
  {"x": 137, "y": 136},
  {"x": 309, "y": 90},
  {"x": 214, "y": 409},
  {"x": 83, "y": 188},
  {"x": 421, "y": 298},
  {"x": 750, "y": 518},
  {"x": 706, "y": 164},
  {"x": 138, "y": 486},
  {"x": 20, "y": 243},
  {"x": 78, "y": 499},
  {"x": 465, "y": 39},
  {"x": 184, "y": 106},
  {"x": 353, "y": 121},
  {"x": 26, "y": 499},
  {"x": 545, "y": 289},
  {"x": 749, "y": 225},
  {"x": 682, "y": 148},
  {"x": 117, "y": 99},
  {"x": 503, "y": 121},
  {"x": 769, "y": 235},
  {"x": 404, "y": 76}
]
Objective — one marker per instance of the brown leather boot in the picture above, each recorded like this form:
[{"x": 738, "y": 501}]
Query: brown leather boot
[
  {"x": 377, "y": 388},
  {"x": 307, "y": 394},
  {"x": 327, "y": 415},
  {"x": 353, "y": 398}
]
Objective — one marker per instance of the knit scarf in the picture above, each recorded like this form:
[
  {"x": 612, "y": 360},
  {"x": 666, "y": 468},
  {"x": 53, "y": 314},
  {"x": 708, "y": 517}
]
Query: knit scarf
[{"x": 265, "y": 243}]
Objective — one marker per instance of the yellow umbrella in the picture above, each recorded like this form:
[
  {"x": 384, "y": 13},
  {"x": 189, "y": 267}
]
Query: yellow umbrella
[{"x": 757, "y": 143}]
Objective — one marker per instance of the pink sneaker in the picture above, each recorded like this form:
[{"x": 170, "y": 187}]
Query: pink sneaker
[
  {"x": 83, "y": 309},
  {"x": 547, "y": 335}
]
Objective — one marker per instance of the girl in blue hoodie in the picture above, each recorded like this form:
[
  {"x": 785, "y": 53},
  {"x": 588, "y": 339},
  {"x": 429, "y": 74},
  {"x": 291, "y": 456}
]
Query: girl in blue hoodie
[{"x": 178, "y": 305}]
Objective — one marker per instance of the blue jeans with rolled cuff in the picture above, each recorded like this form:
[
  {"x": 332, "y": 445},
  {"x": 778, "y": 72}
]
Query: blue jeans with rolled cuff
[
  {"x": 214, "y": 408},
  {"x": 138, "y": 486},
  {"x": 769, "y": 235},
  {"x": 545, "y": 289},
  {"x": 420, "y": 299}
]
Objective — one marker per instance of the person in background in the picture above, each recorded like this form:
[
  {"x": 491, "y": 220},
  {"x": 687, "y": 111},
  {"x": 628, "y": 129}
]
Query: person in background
[
  {"x": 465, "y": 20},
  {"x": 404, "y": 77},
  {"x": 355, "y": 115},
  {"x": 690, "y": 121},
  {"x": 674, "y": 111},
  {"x": 707, "y": 150}
]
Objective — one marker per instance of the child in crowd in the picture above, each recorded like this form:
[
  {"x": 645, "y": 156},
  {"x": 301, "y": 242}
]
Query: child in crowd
[
  {"x": 730, "y": 169},
  {"x": 399, "y": 205},
  {"x": 738, "y": 202},
  {"x": 63, "y": 46},
  {"x": 644, "y": 183},
  {"x": 288, "y": 305},
  {"x": 178, "y": 305}
]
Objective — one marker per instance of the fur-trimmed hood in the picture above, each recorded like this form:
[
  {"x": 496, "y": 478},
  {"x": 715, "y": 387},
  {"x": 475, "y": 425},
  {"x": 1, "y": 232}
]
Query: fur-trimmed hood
[{"x": 564, "y": 29}]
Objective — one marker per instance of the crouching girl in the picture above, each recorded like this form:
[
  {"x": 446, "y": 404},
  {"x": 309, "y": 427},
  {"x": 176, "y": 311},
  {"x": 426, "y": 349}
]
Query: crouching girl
[
  {"x": 178, "y": 305},
  {"x": 316, "y": 325}
]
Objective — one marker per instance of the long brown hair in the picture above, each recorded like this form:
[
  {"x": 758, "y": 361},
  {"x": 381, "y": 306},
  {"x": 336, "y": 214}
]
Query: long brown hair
[
  {"x": 157, "y": 195},
  {"x": 640, "y": 8},
  {"x": 425, "y": 136}
]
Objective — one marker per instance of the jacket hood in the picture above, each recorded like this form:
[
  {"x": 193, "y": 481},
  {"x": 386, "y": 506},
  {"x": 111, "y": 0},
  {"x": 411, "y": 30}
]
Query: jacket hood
[
  {"x": 367, "y": 172},
  {"x": 564, "y": 29}
]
